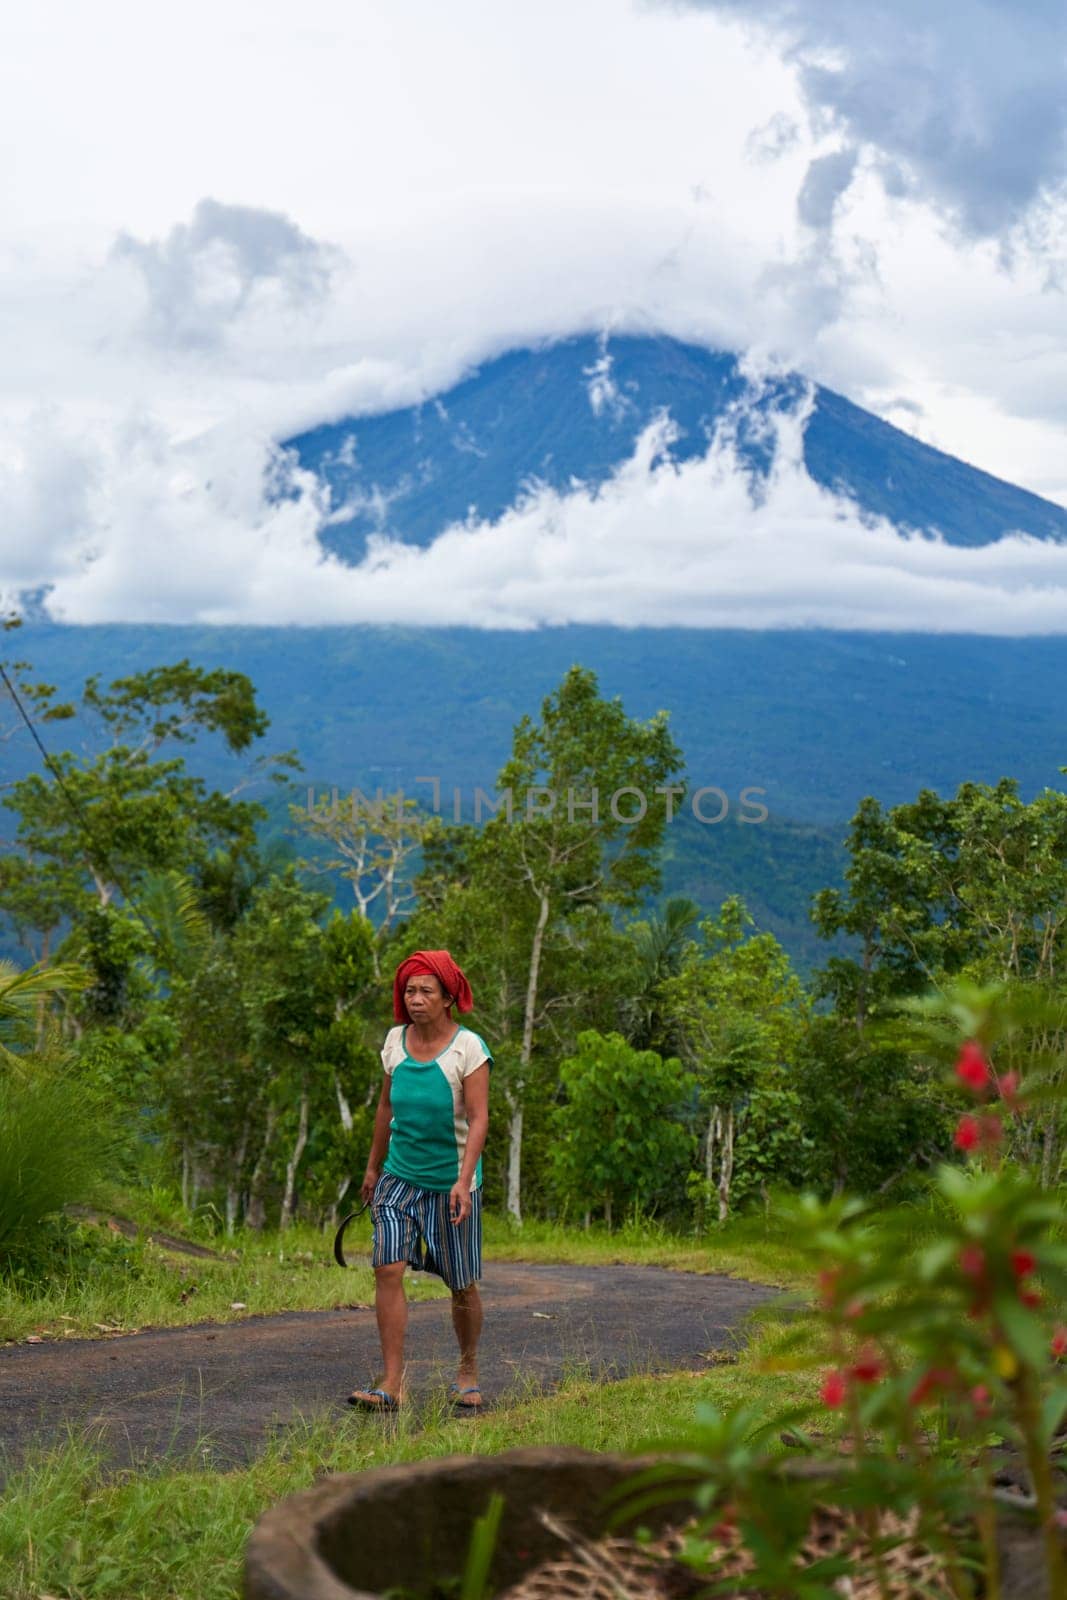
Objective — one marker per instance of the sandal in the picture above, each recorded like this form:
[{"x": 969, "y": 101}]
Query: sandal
[
  {"x": 360, "y": 1397},
  {"x": 466, "y": 1405}
]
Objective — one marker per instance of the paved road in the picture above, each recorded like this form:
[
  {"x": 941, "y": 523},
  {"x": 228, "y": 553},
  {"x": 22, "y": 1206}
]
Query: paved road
[{"x": 229, "y": 1384}]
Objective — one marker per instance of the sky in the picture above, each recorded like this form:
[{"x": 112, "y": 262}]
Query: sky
[{"x": 222, "y": 224}]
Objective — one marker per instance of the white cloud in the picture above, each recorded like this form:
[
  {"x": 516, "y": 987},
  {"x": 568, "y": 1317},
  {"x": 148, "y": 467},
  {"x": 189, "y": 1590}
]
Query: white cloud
[
  {"x": 206, "y": 273},
  {"x": 661, "y": 544},
  {"x": 964, "y": 99},
  {"x": 370, "y": 199}
]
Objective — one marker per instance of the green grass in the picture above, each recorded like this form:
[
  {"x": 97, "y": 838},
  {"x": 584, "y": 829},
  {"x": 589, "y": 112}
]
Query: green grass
[
  {"x": 74, "y": 1528},
  {"x": 70, "y": 1528},
  {"x": 749, "y": 1247},
  {"x": 112, "y": 1284},
  {"x": 139, "y": 1285}
]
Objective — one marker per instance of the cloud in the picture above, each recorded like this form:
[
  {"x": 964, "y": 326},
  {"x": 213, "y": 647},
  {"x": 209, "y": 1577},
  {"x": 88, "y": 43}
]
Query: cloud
[
  {"x": 965, "y": 101},
  {"x": 602, "y": 389},
  {"x": 826, "y": 180},
  {"x": 774, "y": 138},
  {"x": 660, "y": 196},
  {"x": 223, "y": 529},
  {"x": 208, "y": 271}
]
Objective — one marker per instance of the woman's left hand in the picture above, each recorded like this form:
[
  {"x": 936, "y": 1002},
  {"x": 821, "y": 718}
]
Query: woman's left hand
[{"x": 459, "y": 1201}]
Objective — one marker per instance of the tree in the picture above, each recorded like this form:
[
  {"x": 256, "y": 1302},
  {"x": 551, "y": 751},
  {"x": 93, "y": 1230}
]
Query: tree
[
  {"x": 937, "y": 888},
  {"x": 92, "y": 828},
  {"x": 561, "y": 852},
  {"x": 215, "y": 1088},
  {"x": 738, "y": 1008},
  {"x": 278, "y": 956},
  {"x": 870, "y": 1110},
  {"x": 659, "y": 944},
  {"x": 620, "y": 1141},
  {"x": 370, "y": 844},
  {"x": 23, "y": 996},
  {"x": 969, "y": 888},
  {"x": 299, "y": 981}
]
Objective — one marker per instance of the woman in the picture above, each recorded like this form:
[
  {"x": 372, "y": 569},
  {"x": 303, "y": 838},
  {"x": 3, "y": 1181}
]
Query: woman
[{"x": 424, "y": 1174}]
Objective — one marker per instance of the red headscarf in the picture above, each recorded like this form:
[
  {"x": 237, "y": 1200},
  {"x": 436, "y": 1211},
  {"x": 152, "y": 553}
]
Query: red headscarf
[{"x": 440, "y": 966}]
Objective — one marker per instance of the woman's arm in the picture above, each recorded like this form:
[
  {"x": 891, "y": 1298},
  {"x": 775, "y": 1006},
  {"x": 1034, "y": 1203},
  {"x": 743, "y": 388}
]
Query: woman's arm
[{"x": 476, "y": 1105}]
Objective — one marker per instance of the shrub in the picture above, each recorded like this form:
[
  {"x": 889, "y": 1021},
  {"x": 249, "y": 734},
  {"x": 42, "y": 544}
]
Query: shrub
[{"x": 55, "y": 1150}]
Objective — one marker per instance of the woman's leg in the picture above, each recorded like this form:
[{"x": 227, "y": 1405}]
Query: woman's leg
[
  {"x": 467, "y": 1321},
  {"x": 391, "y": 1309},
  {"x": 466, "y": 1258},
  {"x": 395, "y": 1240}
]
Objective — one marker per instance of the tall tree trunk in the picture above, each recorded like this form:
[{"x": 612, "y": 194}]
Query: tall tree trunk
[
  {"x": 525, "y": 1055},
  {"x": 288, "y": 1200},
  {"x": 726, "y": 1165},
  {"x": 256, "y": 1208},
  {"x": 342, "y": 1190},
  {"x": 607, "y": 1210},
  {"x": 185, "y": 1175},
  {"x": 709, "y": 1150},
  {"x": 41, "y": 999},
  {"x": 1048, "y": 1148},
  {"x": 514, "y": 1157},
  {"x": 103, "y": 889},
  {"x": 233, "y": 1182},
  {"x": 343, "y": 1106}
]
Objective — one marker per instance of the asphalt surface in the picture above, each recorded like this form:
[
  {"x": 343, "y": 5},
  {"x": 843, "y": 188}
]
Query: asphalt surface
[{"x": 221, "y": 1389}]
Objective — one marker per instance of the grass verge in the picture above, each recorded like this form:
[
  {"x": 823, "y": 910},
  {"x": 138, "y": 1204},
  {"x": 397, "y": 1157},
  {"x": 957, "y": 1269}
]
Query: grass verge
[
  {"x": 108, "y": 1285},
  {"x": 71, "y": 1528}
]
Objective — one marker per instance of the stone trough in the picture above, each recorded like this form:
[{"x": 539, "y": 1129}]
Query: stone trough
[{"x": 353, "y": 1536}]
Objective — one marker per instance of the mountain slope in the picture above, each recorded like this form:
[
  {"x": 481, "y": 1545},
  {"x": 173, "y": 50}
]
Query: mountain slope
[
  {"x": 573, "y": 409},
  {"x": 816, "y": 719}
]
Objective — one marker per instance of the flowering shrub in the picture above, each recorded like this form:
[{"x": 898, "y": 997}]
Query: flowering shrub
[{"x": 933, "y": 1346}]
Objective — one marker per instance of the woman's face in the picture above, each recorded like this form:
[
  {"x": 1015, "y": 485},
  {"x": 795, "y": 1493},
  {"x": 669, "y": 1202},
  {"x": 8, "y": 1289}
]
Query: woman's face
[{"x": 425, "y": 1000}]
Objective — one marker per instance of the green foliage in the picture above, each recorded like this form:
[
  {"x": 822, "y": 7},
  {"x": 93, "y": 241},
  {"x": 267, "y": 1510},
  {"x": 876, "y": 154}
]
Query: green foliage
[
  {"x": 868, "y": 1109},
  {"x": 24, "y": 1000},
  {"x": 110, "y": 945},
  {"x": 56, "y": 1146},
  {"x": 619, "y": 1140},
  {"x": 938, "y": 1344},
  {"x": 738, "y": 1009},
  {"x": 975, "y": 885},
  {"x": 774, "y": 1148},
  {"x": 61, "y": 1253}
]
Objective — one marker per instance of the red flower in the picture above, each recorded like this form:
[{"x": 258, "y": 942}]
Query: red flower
[
  {"x": 1009, "y": 1089},
  {"x": 828, "y": 1280},
  {"x": 982, "y": 1400},
  {"x": 1022, "y": 1263},
  {"x": 972, "y": 1261},
  {"x": 1030, "y": 1297},
  {"x": 968, "y": 1135},
  {"x": 972, "y": 1068},
  {"x": 869, "y": 1368},
  {"x": 834, "y": 1389},
  {"x": 973, "y": 1133},
  {"x": 726, "y": 1524},
  {"x": 1059, "y": 1341},
  {"x": 936, "y": 1378}
]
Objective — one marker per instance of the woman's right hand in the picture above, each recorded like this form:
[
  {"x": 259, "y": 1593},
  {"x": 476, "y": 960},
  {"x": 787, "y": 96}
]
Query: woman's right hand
[{"x": 370, "y": 1183}]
